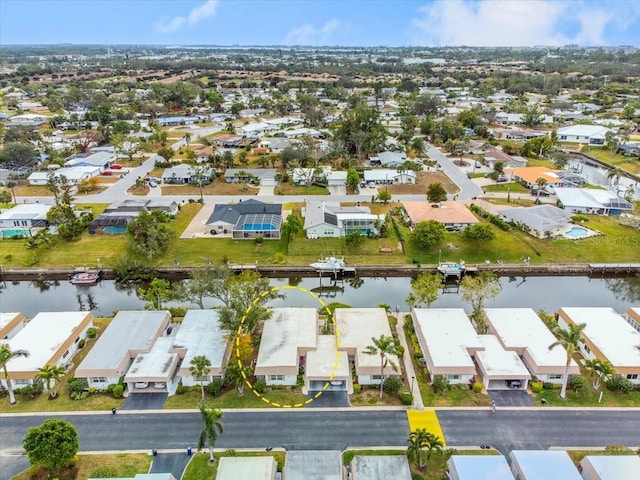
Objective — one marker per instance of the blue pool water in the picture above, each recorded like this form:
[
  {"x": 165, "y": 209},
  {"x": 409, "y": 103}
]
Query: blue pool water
[
  {"x": 14, "y": 232},
  {"x": 576, "y": 232}
]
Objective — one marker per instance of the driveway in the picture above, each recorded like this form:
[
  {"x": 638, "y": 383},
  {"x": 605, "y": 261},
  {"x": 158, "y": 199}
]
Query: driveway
[
  {"x": 175, "y": 463},
  {"x": 145, "y": 401},
  {"x": 12, "y": 464},
  {"x": 337, "y": 190},
  {"x": 329, "y": 399},
  {"x": 468, "y": 189},
  {"x": 511, "y": 398},
  {"x": 266, "y": 190}
]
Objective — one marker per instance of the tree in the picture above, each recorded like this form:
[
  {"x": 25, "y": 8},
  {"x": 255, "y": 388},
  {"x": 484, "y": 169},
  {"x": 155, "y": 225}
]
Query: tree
[
  {"x": 49, "y": 373},
  {"x": 476, "y": 290},
  {"x": 6, "y": 196},
  {"x": 158, "y": 291},
  {"x": 418, "y": 146},
  {"x": 11, "y": 185},
  {"x": 200, "y": 368},
  {"x": 385, "y": 346},
  {"x": 384, "y": 196},
  {"x": 429, "y": 233},
  {"x": 479, "y": 232},
  {"x": 570, "y": 340},
  {"x": 360, "y": 130},
  {"x": 541, "y": 183},
  {"x": 611, "y": 141},
  {"x": 200, "y": 174},
  {"x": 211, "y": 427},
  {"x": 149, "y": 234},
  {"x": 236, "y": 374},
  {"x": 614, "y": 174},
  {"x": 7, "y": 354},
  {"x": 426, "y": 105},
  {"x": 291, "y": 226},
  {"x": 353, "y": 179},
  {"x": 52, "y": 445},
  {"x": 421, "y": 439},
  {"x": 18, "y": 153},
  {"x": 532, "y": 115},
  {"x": 436, "y": 193},
  {"x": 354, "y": 238},
  {"x": 200, "y": 285},
  {"x": 125, "y": 146},
  {"x": 600, "y": 370},
  {"x": 424, "y": 289}
]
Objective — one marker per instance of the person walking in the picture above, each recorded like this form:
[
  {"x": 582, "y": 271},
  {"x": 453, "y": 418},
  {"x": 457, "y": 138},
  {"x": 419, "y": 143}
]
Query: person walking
[{"x": 493, "y": 406}]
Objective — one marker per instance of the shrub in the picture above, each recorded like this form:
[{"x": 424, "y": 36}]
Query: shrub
[
  {"x": 547, "y": 386},
  {"x": 579, "y": 384},
  {"x": 618, "y": 450},
  {"x": 214, "y": 387},
  {"x": 536, "y": 387},
  {"x": 81, "y": 343},
  {"x": 92, "y": 332},
  {"x": 260, "y": 386},
  {"x": 180, "y": 389},
  {"x": 477, "y": 387},
  {"x": 357, "y": 388},
  {"x": 620, "y": 384},
  {"x": 392, "y": 385},
  {"x": 439, "y": 384},
  {"x": 579, "y": 218},
  {"x": 117, "y": 391},
  {"x": 177, "y": 311},
  {"x": 259, "y": 240},
  {"x": 29, "y": 392},
  {"x": 77, "y": 385},
  {"x": 406, "y": 398}
]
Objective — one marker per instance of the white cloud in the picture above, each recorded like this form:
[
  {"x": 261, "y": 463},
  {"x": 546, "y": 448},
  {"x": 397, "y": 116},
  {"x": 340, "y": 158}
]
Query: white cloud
[
  {"x": 510, "y": 22},
  {"x": 307, "y": 34},
  {"x": 206, "y": 10}
]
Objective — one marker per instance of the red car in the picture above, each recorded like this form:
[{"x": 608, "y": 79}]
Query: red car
[{"x": 116, "y": 166}]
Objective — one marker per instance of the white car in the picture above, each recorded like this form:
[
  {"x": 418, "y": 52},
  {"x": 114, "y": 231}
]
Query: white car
[
  {"x": 141, "y": 384},
  {"x": 159, "y": 385}
]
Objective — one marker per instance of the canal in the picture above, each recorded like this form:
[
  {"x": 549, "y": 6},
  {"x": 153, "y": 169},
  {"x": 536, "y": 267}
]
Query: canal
[{"x": 549, "y": 293}]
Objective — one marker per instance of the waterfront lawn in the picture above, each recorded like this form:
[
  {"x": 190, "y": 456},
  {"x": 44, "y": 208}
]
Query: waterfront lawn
[
  {"x": 230, "y": 399},
  {"x": 617, "y": 160}
]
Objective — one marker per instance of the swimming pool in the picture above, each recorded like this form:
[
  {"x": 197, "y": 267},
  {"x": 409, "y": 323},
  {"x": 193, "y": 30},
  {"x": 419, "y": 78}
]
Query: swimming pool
[
  {"x": 14, "y": 232},
  {"x": 575, "y": 233}
]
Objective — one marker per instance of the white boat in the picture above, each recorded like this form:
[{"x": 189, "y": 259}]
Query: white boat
[
  {"x": 452, "y": 269},
  {"x": 329, "y": 264},
  {"x": 90, "y": 277}
]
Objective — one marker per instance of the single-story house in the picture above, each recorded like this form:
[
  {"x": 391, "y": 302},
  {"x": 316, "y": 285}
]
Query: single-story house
[
  {"x": 255, "y": 468},
  {"x": 301, "y": 132},
  {"x": 356, "y": 327},
  {"x": 322, "y": 219},
  {"x": 10, "y": 324},
  {"x": 283, "y": 121},
  {"x": 389, "y": 159},
  {"x": 101, "y": 159},
  {"x": 327, "y": 369},
  {"x": 266, "y": 177},
  {"x": 231, "y": 140},
  {"x": 251, "y": 112},
  {"x": 629, "y": 148},
  {"x": 275, "y": 144},
  {"x": 72, "y": 174},
  {"x": 520, "y": 330},
  {"x": 528, "y": 176},
  {"x": 589, "y": 134},
  {"x": 248, "y": 219},
  {"x": 313, "y": 465},
  {"x": 609, "y": 467},
  {"x": 183, "y": 173},
  {"x": 504, "y": 118},
  {"x": 19, "y": 220},
  {"x": 200, "y": 334},
  {"x": 520, "y": 135},
  {"x": 390, "y": 177},
  {"x": 180, "y": 120},
  {"x": 116, "y": 216},
  {"x": 154, "y": 368},
  {"x": 479, "y": 467},
  {"x": 541, "y": 221},
  {"x": 255, "y": 130},
  {"x": 633, "y": 314},
  {"x": 543, "y": 465},
  {"x": 337, "y": 179},
  {"x": 304, "y": 176},
  {"x": 380, "y": 467},
  {"x": 448, "y": 341},
  {"x": 500, "y": 369},
  {"x": 454, "y": 215},
  {"x": 607, "y": 336},
  {"x": 203, "y": 153},
  {"x": 129, "y": 334},
  {"x": 492, "y": 156},
  {"x": 592, "y": 201},
  {"x": 28, "y": 120},
  {"x": 286, "y": 339},
  {"x": 51, "y": 338}
]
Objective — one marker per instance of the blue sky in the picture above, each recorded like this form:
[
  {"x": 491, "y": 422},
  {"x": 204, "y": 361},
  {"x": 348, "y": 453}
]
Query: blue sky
[{"x": 322, "y": 22}]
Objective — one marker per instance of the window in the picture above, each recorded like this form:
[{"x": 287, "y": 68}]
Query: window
[
  {"x": 21, "y": 381},
  {"x": 276, "y": 378},
  {"x": 76, "y": 340},
  {"x": 203, "y": 378},
  {"x": 555, "y": 377},
  {"x": 587, "y": 349},
  {"x": 452, "y": 377},
  {"x": 632, "y": 376},
  {"x": 65, "y": 354},
  {"x": 97, "y": 379},
  {"x": 376, "y": 377}
]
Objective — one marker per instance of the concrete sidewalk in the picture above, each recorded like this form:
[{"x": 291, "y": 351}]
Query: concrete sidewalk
[{"x": 408, "y": 363}]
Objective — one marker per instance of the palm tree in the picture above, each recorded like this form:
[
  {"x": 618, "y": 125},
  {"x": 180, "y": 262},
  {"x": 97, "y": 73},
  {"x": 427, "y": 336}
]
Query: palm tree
[
  {"x": 421, "y": 439},
  {"x": 48, "y": 373},
  {"x": 541, "y": 182},
  {"x": 570, "y": 341},
  {"x": 601, "y": 371},
  {"x": 200, "y": 367},
  {"x": 237, "y": 375},
  {"x": 187, "y": 138},
  {"x": 434, "y": 444},
  {"x": 212, "y": 426},
  {"x": 7, "y": 354},
  {"x": 385, "y": 346},
  {"x": 11, "y": 185},
  {"x": 614, "y": 175}
]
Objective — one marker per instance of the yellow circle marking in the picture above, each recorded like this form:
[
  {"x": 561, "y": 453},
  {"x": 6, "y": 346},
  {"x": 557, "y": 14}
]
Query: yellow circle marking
[{"x": 237, "y": 350}]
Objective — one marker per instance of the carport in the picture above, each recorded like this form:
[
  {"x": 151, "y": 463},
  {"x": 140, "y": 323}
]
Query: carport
[
  {"x": 326, "y": 365},
  {"x": 500, "y": 369},
  {"x": 153, "y": 371}
]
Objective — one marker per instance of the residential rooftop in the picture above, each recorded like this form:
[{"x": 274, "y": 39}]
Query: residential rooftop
[
  {"x": 200, "y": 334},
  {"x": 479, "y": 467},
  {"x": 498, "y": 362},
  {"x": 254, "y": 468}
]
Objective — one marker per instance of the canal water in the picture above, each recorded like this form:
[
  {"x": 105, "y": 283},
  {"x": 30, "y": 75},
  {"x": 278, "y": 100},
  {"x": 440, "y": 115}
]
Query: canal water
[{"x": 549, "y": 293}]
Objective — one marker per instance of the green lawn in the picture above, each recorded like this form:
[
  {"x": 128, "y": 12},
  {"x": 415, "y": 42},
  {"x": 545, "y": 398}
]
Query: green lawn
[
  {"x": 617, "y": 160},
  {"x": 506, "y": 187},
  {"x": 587, "y": 399},
  {"x": 200, "y": 469},
  {"x": 118, "y": 465},
  {"x": 230, "y": 399},
  {"x": 289, "y": 189}
]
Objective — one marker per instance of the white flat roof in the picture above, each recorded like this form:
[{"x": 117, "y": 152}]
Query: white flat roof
[
  {"x": 42, "y": 337},
  {"x": 545, "y": 464},
  {"x": 200, "y": 334},
  {"x": 129, "y": 330},
  {"x": 480, "y": 467},
  {"x": 313, "y": 465},
  {"x": 615, "y": 338},
  {"x": 614, "y": 467},
  {"x": 355, "y": 329},
  {"x": 498, "y": 362},
  {"x": 255, "y": 468},
  {"x": 287, "y": 330},
  {"x": 6, "y": 318},
  {"x": 380, "y": 467},
  {"x": 325, "y": 361},
  {"x": 522, "y": 328},
  {"x": 448, "y": 334},
  {"x": 157, "y": 365}
]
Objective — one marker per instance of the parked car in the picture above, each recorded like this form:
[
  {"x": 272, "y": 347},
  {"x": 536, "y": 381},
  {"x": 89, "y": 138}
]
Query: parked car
[
  {"x": 115, "y": 166},
  {"x": 141, "y": 384},
  {"x": 159, "y": 385},
  {"x": 153, "y": 184},
  {"x": 107, "y": 173}
]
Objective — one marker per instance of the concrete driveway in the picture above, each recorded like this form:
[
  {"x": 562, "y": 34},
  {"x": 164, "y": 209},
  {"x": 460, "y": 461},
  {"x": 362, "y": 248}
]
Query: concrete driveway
[
  {"x": 511, "y": 398},
  {"x": 329, "y": 399},
  {"x": 337, "y": 190},
  {"x": 145, "y": 401},
  {"x": 266, "y": 190},
  {"x": 175, "y": 463}
]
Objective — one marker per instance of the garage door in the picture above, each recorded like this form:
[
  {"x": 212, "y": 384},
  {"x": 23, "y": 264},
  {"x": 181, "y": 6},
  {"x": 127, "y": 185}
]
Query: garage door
[
  {"x": 268, "y": 182},
  {"x": 318, "y": 386}
]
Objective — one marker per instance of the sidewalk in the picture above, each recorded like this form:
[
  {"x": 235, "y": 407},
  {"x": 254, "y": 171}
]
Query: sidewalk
[{"x": 408, "y": 364}]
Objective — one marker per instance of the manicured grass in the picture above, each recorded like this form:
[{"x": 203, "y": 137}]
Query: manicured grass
[
  {"x": 230, "y": 399},
  {"x": 217, "y": 187},
  {"x": 587, "y": 399},
  {"x": 32, "y": 191},
  {"x": 289, "y": 189},
  {"x": 506, "y": 187},
  {"x": 423, "y": 181},
  {"x": 540, "y": 162},
  {"x": 617, "y": 160},
  {"x": 370, "y": 396},
  {"x": 199, "y": 467}
]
